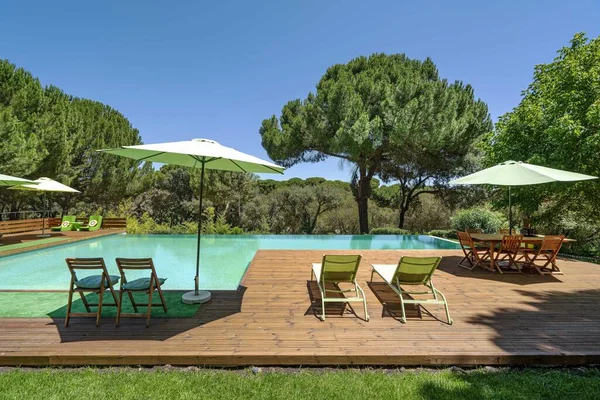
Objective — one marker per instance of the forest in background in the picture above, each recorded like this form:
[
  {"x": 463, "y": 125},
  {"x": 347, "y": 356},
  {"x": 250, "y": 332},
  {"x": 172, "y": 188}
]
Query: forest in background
[{"x": 400, "y": 170}]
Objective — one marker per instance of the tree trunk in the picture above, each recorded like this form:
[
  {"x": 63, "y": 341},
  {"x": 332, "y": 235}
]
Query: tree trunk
[
  {"x": 362, "y": 193},
  {"x": 401, "y": 219},
  {"x": 362, "y": 199}
]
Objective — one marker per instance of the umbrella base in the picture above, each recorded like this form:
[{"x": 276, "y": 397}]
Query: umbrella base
[
  {"x": 45, "y": 235},
  {"x": 192, "y": 298}
]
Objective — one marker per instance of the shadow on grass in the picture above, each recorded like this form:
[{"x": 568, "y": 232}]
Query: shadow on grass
[
  {"x": 179, "y": 318},
  {"x": 512, "y": 384}
]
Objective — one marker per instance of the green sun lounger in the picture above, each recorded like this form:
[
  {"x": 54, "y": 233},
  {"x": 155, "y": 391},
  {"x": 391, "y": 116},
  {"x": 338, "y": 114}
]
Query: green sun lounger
[
  {"x": 335, "y": 269},
  {"x": 66, "y": 224},
  {"x": 413, "y": 271},
  {"x": 93, "y": 224}
]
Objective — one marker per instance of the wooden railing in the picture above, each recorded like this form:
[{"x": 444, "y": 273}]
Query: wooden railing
[
  {"x": 28, "y": 225},
  {"x": 114, "y": 223}
]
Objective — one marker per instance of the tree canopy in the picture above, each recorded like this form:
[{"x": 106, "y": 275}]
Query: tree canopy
[
  {"x": 374, "y": 112},
  {"x": 557, "y": 124},
  {"x": 45, "y": 132}
]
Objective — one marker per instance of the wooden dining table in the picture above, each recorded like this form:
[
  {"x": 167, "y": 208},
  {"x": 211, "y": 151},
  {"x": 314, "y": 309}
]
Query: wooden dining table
[{"x": 494, "y": 238}]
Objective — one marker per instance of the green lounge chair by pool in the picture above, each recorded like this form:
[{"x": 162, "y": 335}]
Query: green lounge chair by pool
[
  {"x": 93, "y": 225},
  {"x": 66, "y": 224},
  {"x": 412, "y": 271},
  {"x": 335, "y": 269}
]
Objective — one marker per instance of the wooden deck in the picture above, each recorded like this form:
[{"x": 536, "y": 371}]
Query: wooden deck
[
  {"x": 31, "y": 240},
  {"x": 498, "y": 319}
]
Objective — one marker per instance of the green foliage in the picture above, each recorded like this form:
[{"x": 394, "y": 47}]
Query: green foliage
[
  {"x": 569, "y": 224},
  {"x": 443, "y": 233},
  {"x": 45, "y": 132},
  {"x": 427, "y": 211},
  {"x": 557, "y": 125},
  {"x": 389, "y": 231},
  {"x": 479, "y": 217},
  {"x": 375, "y": 109}
]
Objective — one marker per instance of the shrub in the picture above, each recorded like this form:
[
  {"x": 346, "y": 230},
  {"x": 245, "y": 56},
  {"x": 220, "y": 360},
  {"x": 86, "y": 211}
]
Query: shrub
[
  {"x": 482, "y": 218},
  {"x": 443, "y": 233},
  {"x": 146, "y": 226},
  {"x": 389, "y": 231}
]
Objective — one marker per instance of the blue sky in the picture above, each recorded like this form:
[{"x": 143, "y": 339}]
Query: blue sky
[{"x": 186, "y": 69}]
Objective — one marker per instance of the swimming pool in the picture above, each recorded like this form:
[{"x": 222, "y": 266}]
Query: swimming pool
[{"x": 223, "y": 262}]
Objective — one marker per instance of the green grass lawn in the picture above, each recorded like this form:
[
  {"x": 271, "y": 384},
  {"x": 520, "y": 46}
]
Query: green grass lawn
[
  {"x": 299, "y": 384},
  {"x": 54, "y": 304}
]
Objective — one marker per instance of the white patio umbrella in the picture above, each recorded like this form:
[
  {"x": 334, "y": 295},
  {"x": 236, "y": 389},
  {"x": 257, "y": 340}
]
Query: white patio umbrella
[
  {"x": 517, "y": 173},
  {"x": 45, "y": 185},
  {"x": 203, "y": 154},
  {"x": 7, "y": 180}
]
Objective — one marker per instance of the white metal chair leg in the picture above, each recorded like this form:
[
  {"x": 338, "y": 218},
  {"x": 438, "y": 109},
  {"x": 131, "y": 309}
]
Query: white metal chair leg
[{"x": 403, "y": 318}]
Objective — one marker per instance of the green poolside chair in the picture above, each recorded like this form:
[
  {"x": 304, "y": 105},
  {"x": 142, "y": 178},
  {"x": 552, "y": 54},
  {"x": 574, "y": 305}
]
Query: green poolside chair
[
  {"x": 412, "y": 271},
  {"x": 93, "y": 224},
  {"x": 66, "y": 224},
  {"x": 335, "y": 269}
]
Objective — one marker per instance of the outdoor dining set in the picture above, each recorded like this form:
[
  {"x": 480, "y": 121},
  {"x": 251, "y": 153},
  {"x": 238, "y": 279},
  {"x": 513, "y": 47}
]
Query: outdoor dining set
[{"x": 510, "y": 253}]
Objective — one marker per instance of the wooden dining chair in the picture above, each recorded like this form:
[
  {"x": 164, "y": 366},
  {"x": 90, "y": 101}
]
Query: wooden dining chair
[
  {"x": 475, "y": 256},
  {"x": 90, "y": 284},
  {"x": 543, "y": 258},
  {"x": 508, "y": 253},
  {"x": 145, "y": 285}
]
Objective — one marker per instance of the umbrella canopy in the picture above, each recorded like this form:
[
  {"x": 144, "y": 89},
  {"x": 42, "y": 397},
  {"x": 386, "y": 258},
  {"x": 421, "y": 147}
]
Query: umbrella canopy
[
  {"x": 44, "y": 185},
  {"x": 195, "y": 153},
  {"x": 7, "y": 180},
  {"x": 203, "y": 154},
  {"x": 517, "y": 173}
]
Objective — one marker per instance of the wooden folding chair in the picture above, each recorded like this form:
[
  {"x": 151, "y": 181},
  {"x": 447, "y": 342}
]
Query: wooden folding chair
[
  {"x": 544, "y": 256},
  {"x": 508, "y": 253},
  {"x": 475, "y": 256},
  {"x": 90, "y": 284},
  {"x": 147, "y": 285}
]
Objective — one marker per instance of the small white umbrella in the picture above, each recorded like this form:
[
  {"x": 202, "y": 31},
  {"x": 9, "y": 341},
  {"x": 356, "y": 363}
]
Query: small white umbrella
[
  {"x": 7, "y": 180},
  {"x": 517, "y": 173},
  {"x": 45, "y": 185},
  {"x": 203, "y": 154}
]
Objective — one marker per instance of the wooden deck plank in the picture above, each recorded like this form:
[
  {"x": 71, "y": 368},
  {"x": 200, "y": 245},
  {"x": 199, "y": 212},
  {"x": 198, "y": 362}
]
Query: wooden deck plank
[{"x": 499, "y": 319}]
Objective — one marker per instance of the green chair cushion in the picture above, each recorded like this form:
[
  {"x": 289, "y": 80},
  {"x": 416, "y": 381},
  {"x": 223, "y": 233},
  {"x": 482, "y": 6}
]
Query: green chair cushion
[
  {"x": 94, "y": 281},
  {"x": 141, "y": 283}
]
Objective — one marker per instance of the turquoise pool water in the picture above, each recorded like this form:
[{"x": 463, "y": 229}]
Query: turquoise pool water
[{"x": 223, "y": 262}]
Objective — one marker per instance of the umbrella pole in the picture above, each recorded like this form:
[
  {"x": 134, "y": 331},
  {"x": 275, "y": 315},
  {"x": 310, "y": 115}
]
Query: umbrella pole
[
  {"x": 509, "y": 212},
  {"x": 44, "y": 210},
  {"x": 44, "y": 215},
  {"x": 198, "y": 296},
  {"x": 197, "y": 278}
]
